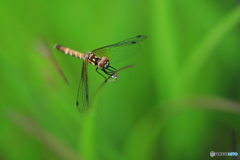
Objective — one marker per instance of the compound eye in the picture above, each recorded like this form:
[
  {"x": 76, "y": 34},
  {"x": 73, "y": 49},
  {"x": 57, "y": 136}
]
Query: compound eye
[{"x": 104, "y": 63}]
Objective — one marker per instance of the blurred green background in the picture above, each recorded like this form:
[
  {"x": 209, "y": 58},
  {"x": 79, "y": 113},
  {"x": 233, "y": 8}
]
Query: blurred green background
[{"x": 179, "y": 101}]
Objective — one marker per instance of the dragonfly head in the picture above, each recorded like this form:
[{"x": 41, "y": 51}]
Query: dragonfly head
[{"x": 103, "y": 63}]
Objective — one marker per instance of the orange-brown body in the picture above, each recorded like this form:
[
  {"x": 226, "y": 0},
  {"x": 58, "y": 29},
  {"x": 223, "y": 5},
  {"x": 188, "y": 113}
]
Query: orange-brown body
[{"x": 101, "y": 63}]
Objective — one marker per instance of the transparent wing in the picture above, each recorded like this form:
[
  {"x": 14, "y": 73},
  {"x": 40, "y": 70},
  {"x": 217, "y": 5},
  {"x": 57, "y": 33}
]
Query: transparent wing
[
  {"x": 121, "y": 50},
  {"x": 82, "y": 95}
]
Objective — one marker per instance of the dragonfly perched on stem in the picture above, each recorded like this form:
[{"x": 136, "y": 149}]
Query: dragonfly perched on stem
[{"x": 99, "y": 58}]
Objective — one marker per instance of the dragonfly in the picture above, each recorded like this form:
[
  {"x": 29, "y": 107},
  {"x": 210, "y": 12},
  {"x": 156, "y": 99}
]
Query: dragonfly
[{"x": 101, "y": 59}]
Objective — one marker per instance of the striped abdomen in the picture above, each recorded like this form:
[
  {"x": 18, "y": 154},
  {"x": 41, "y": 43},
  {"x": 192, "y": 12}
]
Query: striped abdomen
[
  {"x": 70, "y": 51},
  {"x": 89, "y": 57}
]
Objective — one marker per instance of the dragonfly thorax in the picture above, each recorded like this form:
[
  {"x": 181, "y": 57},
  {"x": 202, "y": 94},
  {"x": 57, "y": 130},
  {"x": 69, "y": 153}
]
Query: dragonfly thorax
[{"x": 103, "y": 63}]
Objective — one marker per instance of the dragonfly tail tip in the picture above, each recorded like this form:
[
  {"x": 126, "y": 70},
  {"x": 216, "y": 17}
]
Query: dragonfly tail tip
[{"x": 56, "y": 45}]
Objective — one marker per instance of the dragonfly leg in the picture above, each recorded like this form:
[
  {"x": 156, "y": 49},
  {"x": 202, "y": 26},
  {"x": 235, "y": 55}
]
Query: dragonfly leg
[
  {"x": 100, "y": 73},
  {"x": 112, "y": 68},
  {"x": 110, "y": 71}
]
